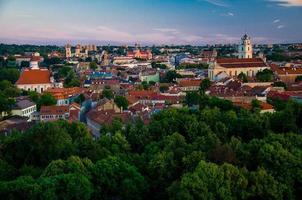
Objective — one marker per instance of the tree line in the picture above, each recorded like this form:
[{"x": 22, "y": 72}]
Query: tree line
[{"x": 218, "y": 151}]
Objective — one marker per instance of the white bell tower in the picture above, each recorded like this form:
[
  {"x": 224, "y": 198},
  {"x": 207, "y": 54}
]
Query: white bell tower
[{"x": 245, "y": 49}]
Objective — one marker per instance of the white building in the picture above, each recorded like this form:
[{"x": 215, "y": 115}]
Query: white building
[
  {"x": 35, "y": 79},
  {"x": 245, "y": 49},
  {"x": 24, "y": 108}
]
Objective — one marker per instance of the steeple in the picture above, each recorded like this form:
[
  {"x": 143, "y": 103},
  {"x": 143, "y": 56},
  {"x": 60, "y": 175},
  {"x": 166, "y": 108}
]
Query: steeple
[{"x": 245, "y": 49}]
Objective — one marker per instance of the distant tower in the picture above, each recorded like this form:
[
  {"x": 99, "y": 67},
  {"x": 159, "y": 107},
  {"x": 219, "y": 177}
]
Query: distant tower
[
  {"x": 34, "y": 64},
  {"x": 105, "y": 60},
  {"x": 68, "y": 51},
  {"x": 245, "y": 49},
  {"x": 78, "y": 50}
]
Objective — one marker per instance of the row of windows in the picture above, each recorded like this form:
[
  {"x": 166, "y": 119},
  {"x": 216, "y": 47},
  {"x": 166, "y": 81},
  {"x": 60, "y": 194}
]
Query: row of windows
[
  {"x": 30, "y": 110},
  {"x": 51, "y": 116}
]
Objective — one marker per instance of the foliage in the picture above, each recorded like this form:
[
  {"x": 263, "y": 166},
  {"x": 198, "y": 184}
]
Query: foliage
[
  {"x": 9, "y": 74},
  {"x": 93, "y": 65},
  {"x": 192, "y": 65},
  {"x": 243, "y": 77},
  {"x": 218, "y": 151},
  {"x": 121, "y": 102},
  {"x": 265, "y": 76},
  {"x": 107, "y": 93},
  {"x": 171, "y": 76},
  {"x": 279, "y": 84},
  {"x": 298, "y": 79},
  {"x": 204, "y": 85}
]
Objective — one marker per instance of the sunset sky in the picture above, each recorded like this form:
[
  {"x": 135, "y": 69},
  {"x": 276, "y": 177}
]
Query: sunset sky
[{"x": 194, "y": 22}]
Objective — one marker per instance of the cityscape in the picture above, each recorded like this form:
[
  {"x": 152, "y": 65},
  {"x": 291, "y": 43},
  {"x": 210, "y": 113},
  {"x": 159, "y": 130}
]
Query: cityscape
[{"x": 196, "y": 99}]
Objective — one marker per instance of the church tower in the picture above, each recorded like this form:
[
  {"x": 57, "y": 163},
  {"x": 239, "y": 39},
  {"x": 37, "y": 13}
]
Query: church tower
[
  {"x": 245, "y": 49},
  {"x": 68, "y": 51}
]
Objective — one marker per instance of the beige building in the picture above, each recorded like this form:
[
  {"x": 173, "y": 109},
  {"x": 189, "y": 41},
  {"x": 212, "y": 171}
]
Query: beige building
[{"x": 235, "y": 66}]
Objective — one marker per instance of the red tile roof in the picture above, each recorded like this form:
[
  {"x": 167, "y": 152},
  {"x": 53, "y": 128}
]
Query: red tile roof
[
  {"x": 54, "y": 110},
  {"x": 286, "y": 70},
  {"x": 241, "y": 62},
  {"x": 106, "y": 117},
  {"x": 34, "y": 76},
  {"x": 188, "y": 83}
]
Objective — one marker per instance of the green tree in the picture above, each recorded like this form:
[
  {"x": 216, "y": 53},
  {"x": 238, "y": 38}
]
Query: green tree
[
  {"x": 121, "y": 102},
  {"x": 256, "y": 106},
  {"x": 9, "y": 74},
  {"x": 265, "y": 76},
  {"x": 93, "y": 65},
  {"x": 46, "y": 99},
  {"x": 279, "y": 84},
  {"x": 171, "y": 76},
  {"x": 115, "y": 178},
  {"x": 243, "y": 77},
  {"x": 204, "y": 85},
  {"x": 298, "y": 79},
  {"x": 107, "y": 93}
]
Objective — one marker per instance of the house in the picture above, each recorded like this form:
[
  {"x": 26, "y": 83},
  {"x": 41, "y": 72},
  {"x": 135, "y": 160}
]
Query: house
[
  {"x": 149, "y": 75},
  {"x": 74, "y": 112},
  {"x": 96, "y": 119},
  {"x": 106, "y": 104},
  {"x": 14, "y": 123},
  {"x": 189, "y": 85},
  {"x": 64, "y": 96},
  {"x": 35, "y": 79},
  {"x": 53, "y": 113},
  {"x": 24, "y": 108},
  {"x": 286, "y": 74}
]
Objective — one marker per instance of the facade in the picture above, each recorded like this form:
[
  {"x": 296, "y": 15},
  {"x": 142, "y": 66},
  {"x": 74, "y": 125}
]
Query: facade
[
  {"x": 24, "y": 108},
  {"x": 149, "y": 76},
  {"x": 53, "y": 113},
  {"x": 245, "y": 49},
  {"x": 235, "y": 66},
  {"x": 35, "y": 79},
  {"x": 189, "y": 85},
  {"x": 286, "y": 74},
  {"x": 137, "y": 53},
  {"x": 106, "y": 104}
]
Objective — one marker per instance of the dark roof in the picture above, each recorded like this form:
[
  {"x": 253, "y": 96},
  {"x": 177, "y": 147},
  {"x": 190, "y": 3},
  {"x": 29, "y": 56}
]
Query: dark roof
[{"x": 24, "y": 103}]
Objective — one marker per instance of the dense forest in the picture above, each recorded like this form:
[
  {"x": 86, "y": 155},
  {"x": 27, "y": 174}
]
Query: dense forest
[{"x": 216, "y": 152}]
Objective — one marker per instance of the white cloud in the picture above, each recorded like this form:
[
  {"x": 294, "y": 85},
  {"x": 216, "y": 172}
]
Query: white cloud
[
  {"x": 166, "y": 30},
  {"x": 217, "y": 3},
  {"x": 288, "y": 3},
  {"x": 228, "y": 14},
  {"x": 280, "y": 26},
  {"x": 276, "y": 21}
]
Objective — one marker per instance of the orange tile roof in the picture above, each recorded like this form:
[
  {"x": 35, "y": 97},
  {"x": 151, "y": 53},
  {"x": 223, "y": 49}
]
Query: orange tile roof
[
  {"x": 34, "y": 76},
  {"x": 286, "y": 70},
  {"x": 64, "y": 93},
  {"x": 248, "y": 106},
  {"x": 54, "y": 110}
]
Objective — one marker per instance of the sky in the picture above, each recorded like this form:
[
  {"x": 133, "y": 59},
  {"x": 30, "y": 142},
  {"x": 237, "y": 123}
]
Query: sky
[{"x": 148, "y": 22}]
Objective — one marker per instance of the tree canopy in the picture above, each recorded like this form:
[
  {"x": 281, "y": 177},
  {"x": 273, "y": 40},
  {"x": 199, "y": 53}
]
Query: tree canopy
[{"x": 218, "y": 151}]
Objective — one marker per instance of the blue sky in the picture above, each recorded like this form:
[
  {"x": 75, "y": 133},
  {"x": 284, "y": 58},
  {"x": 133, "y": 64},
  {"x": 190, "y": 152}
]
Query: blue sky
[{"x": 194, "y": 22}]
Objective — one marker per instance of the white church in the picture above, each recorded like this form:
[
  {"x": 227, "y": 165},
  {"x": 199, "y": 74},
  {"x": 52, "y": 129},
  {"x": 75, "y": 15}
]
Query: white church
[{"x": 245, "y": 63}]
